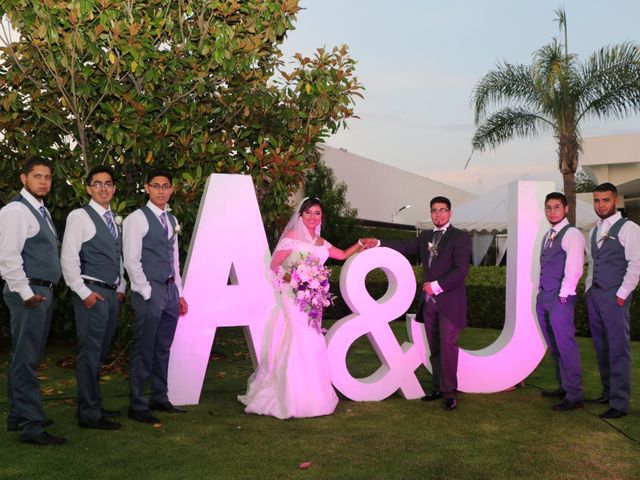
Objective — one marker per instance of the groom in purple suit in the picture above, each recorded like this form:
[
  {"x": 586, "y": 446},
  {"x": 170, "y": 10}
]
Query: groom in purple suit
[{"x": 445, "y": 252}]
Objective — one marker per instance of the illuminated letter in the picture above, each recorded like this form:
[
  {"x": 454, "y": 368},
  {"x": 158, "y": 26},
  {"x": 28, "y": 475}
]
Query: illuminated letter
[
  {"x": 372, "y": 318},
  {"x": 226, "y": 282}
]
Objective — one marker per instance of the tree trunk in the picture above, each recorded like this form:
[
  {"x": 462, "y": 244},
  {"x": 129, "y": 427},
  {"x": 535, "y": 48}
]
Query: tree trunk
[
  {"x": 569, "y": 182},
  {"x": 568, "y": 147}
]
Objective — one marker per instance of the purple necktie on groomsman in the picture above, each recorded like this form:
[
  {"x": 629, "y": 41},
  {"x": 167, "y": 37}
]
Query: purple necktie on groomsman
[
  {"x": 108, "y": 217},
  {"x": 163, "y": 221}
]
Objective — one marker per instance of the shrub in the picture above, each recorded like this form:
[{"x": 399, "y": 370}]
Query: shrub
[{"x": 486, "y": 293}]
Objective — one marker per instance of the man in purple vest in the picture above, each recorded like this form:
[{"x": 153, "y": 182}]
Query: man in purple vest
[
  {"x": 614, "y": 270},
  {"x": 151, "y": 258},
  {"x": 561, "y": 264}
]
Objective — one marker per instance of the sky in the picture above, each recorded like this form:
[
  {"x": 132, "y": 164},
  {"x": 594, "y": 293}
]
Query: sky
[{"x": 420, "y": 59}]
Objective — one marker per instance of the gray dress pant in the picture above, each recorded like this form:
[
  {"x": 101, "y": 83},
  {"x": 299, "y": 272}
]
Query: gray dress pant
[
  {"x": 609, "y": 324},
  {"x": 155, "y": 326},
  {"x": 556, "y": 323},
  {"x": 29, "y": 332},
  {"x": 95, "y": 328}
]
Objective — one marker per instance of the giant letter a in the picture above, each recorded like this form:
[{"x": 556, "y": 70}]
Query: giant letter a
[{"x": 226, "y": 282}]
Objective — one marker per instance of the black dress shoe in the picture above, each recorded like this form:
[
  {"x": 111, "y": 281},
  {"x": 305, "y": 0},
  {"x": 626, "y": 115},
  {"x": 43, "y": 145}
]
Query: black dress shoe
[
  {"x": 44, "y": 438},
  {"x": 557, "y": 393},
  {"x": 566, "y": 405},
  {"x": 166, "y": 407},
  {"x": 449, "y": 403},
  {"x": 601, "y": 400},
  {"x": 13, "y": 427},
  {"x": 143, "y": 416},
  {"x": 100, "y": 424},
  {"x": 612, "y": 413},
  {"x": 431, "y": 396},
  {"x": 109, "y": 413}
]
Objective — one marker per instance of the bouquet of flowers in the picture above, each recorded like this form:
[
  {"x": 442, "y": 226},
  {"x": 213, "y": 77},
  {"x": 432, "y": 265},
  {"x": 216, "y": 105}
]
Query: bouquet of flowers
[{"x": 309, "y": 283}]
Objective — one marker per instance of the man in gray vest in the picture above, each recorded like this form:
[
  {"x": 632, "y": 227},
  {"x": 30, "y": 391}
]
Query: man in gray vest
[
  {"x": 152, "y": 262},
  {"x": 614, "y": 269},
  {"x": 30, "y": 267},
  {"x": 91, "y": 263},
  {"x": 561, "y": 265}
]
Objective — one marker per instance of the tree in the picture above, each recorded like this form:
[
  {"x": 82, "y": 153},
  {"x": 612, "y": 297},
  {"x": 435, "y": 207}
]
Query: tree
[
  {"x": 340, "y": 220},
  {"x": 196, "y": 86},
  {"x": 556, "y": 93}
]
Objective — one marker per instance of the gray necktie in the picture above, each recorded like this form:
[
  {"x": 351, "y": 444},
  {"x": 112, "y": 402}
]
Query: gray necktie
[
  {"x": 47, "y": 218},
  {"x": 550, "y": 238},
  {"x": 437, "y": 236}
]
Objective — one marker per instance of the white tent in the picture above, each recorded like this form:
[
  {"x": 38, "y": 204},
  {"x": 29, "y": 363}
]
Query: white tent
[{"x": 485, "y": 217}]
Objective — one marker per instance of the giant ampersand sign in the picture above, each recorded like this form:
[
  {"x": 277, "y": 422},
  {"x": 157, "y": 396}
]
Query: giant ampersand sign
[{"x": 227, "y": 283}]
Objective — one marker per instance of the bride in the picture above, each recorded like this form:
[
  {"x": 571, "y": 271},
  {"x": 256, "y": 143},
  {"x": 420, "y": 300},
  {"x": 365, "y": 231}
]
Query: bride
[{"x": 292, "y": 378}]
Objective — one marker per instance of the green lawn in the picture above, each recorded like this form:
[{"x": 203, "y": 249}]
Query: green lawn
[{"x": 501, "y": 436}]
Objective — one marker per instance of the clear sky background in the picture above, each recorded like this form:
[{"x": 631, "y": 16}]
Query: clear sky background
[{"x": 420, "y": 59}]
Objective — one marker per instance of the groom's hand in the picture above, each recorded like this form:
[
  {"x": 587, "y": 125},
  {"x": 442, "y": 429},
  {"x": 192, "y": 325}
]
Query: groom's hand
[{"x": 369, "y": 242}]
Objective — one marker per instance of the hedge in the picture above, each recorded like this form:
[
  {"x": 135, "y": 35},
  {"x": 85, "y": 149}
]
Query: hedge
[{"x": 485, "y": 297}]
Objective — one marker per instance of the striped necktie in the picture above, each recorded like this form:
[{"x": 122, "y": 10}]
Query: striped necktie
[
  {"x": 550, "y": 238},
  {"x": 163, "y": 221},
  {"x": 108, "y": 217}
]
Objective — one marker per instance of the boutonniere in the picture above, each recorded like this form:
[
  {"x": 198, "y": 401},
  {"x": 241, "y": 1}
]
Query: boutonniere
[
  {"x": 177, "y": 229},
  {"x": 605, "y": 236},
  {"x": 118, "y": 219}
]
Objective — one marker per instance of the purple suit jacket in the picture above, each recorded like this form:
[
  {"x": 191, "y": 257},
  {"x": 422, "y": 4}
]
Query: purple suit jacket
[{"x": 449, "y": 268}]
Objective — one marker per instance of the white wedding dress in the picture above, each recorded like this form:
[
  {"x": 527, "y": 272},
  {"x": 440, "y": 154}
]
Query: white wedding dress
[{"x": 292, "y": 379}]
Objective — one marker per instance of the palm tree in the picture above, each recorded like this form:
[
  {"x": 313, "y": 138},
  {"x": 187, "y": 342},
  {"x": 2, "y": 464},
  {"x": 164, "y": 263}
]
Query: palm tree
[{"x": 555, "y": 94}]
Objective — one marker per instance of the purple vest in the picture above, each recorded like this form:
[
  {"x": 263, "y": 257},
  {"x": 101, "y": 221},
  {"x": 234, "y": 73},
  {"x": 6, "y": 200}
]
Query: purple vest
[
  {"x": 609, "y": 262},
  {"x": 552, "y": 261}
]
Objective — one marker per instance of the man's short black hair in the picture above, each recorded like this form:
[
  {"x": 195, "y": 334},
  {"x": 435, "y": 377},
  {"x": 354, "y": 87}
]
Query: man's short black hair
[
  {"x": 35, "y": 161},
  {"x": 159, "y": 172},
  {"x": 606, "y": 187},
  {"x": 99, "y": 169},
  {"x": 557, "y": 196},
  {"x": 444, "y": 200}
]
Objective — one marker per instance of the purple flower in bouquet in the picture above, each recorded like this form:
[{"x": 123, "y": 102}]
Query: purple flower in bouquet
[{"x": 308, "y": 279}]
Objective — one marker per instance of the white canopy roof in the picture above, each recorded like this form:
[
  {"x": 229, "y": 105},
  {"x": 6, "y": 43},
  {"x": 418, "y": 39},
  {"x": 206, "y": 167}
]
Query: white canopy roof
[{"x": 488, "y": 213}]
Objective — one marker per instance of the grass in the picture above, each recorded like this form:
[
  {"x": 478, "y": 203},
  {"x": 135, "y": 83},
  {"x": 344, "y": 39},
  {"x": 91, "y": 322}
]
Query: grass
[{"x": 500, "y": 436}]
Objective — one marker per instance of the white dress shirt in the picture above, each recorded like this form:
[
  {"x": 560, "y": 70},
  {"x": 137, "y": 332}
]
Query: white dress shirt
[
  {"x": 17, "y": 224},
  {"x": 629, "y": 238},
  {"x": 135, "y": 228},
  {"x": 80, "y": 228},
  {"x": 573, "y": 246}
]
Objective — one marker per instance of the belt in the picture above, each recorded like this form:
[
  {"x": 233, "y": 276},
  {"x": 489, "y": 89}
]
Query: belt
[
  {"x": 41, "y": 283},
  {"x": 98, "y": 283}
]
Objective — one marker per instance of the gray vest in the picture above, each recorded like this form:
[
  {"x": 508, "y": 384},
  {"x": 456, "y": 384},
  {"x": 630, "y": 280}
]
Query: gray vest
[
  {"x": 100, "y": 255},
  {"x": 552, "y": 261},
  {"x": 609, "y": 262},
  {"x": 40, "y": 257},
  {"x": 157, "y": 249}
]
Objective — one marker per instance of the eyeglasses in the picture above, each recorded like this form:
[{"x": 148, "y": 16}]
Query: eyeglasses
[
  {"x": 164, "y": 186},
  {"x": 439, "y": 210},
  {"x": 100, "y": 185}
]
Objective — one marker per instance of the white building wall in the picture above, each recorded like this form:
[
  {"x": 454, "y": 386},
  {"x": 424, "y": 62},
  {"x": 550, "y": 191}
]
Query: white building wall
[{"x": 378, "y": 190}]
